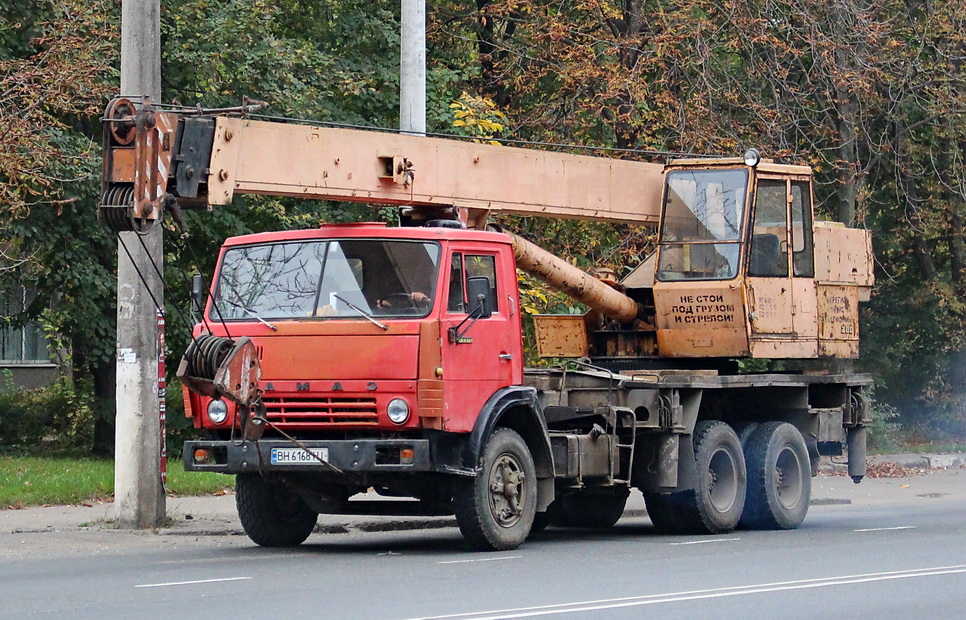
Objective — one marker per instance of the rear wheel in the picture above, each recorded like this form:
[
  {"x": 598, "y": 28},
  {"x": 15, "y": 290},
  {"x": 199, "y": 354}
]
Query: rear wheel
[
  {"x": 716, "y": 504},
  {"x": 495, "y": 511},
  {"x": 271, "y": 514},
  {"x": 779, "y": 480},
  {"x": 591, "y": 510}
]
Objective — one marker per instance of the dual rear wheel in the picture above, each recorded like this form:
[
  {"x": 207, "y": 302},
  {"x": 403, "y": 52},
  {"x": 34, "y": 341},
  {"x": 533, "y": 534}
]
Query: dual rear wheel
[
  {"x": 779, "y": 478},
  {"x": 765, "y": 485}
]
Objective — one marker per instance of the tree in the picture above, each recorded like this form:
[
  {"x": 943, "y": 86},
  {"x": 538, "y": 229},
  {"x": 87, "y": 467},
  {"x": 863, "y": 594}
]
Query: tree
[{"x": 55, "y": 76}]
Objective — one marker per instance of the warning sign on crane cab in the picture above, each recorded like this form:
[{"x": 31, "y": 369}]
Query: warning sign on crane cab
[
  {"x": 689, "y": 308},
  {"x": 838, "y": 314}
]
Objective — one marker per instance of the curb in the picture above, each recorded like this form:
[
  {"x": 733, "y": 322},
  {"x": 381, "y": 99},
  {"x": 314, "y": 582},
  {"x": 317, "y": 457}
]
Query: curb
[{"x": 922, "y": 461}]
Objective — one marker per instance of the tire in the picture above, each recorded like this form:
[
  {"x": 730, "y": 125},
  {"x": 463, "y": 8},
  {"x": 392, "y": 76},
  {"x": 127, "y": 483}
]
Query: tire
[
  {"x": 715, "y": 506},
  {"x": 599, "y": 511},
  {"x": 744, "y": 431},
  {"x": 495, "y": 512},
  {"x": 271, "y": 515},
  {"x": 779, "y": 478}
]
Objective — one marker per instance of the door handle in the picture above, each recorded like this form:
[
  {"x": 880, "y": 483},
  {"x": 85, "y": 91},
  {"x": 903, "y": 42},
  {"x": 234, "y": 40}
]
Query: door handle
[{"x": 506, "y": 356}]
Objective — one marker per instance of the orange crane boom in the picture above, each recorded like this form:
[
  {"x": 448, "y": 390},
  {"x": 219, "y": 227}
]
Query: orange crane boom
[{"x": 307, "y": 161}]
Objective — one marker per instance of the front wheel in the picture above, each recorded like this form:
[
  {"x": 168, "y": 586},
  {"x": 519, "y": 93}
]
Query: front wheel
[
  {"x": 779, "y": 478},
  {"x": 495, "y": 511},
  {"x": 271, "y": 514}
]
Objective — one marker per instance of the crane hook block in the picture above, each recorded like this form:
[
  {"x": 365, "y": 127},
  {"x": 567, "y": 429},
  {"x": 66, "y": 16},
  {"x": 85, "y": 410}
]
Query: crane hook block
[{"x": 139, "y": 143}]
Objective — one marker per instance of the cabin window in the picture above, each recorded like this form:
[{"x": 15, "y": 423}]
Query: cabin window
[
  {"x": 327, "y": 279},
  {"x": 702, "y": 225}
]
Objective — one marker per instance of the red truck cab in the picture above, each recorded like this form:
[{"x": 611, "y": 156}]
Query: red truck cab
[{"x": 365, "y": 330}]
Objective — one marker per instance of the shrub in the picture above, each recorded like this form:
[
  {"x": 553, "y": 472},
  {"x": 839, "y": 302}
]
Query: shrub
[
  {"x": 59, "y": 415},
  {"x": 885, "y": 433}
]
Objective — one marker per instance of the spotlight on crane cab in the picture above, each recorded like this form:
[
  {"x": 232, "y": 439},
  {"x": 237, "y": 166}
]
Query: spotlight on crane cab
[{"x": 752, "y": 157}]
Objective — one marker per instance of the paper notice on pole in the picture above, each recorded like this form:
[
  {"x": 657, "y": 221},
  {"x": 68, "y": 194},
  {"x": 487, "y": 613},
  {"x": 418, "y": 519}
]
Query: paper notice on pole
[{"x": 130, "y": 358}]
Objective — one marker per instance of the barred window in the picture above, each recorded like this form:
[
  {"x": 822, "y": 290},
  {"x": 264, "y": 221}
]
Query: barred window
[{"x": 21, "y": 342}]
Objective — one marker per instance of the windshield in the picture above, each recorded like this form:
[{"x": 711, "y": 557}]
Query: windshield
[
  {"x": 703, "y": 216},
  {"x": 327, "y": 279}
]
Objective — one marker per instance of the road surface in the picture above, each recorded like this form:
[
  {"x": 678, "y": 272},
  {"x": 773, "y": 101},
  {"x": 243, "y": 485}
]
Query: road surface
[{"x": 898, "y": 550}]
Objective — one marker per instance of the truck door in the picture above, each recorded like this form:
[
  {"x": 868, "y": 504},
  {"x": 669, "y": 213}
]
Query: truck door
[
  {"x": 483, "y": 360},
  {"x": 781, "y": 288}
]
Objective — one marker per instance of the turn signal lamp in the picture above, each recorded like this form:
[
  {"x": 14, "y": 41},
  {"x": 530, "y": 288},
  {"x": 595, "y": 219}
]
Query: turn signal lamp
[
  {"x": 202, "y": 456},
  {"x": 407, "y": 456}
]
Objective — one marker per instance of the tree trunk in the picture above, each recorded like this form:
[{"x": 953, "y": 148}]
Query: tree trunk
[
  {"x": 491, "y": 55},
  {"x": 104, "y": 407},
  {"x": 910, "y": 191},
  {"x": 954, "y": 202},
  {"x": 847, "y": 109}
]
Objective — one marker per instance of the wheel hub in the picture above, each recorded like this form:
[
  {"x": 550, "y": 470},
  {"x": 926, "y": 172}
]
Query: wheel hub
[
  {"x": 722, "y": 480},
  {"x": 506, "y": 485},
  {"x": 788, "y": 478}
]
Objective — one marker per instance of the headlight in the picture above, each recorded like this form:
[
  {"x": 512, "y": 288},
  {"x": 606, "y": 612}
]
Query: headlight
[
  {"x": 398, "y": 410},
  {"x": 217, "y": 411}
]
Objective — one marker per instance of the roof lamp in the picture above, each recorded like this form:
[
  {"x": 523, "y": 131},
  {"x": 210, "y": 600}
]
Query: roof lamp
[{"x": 752, "y": 157}]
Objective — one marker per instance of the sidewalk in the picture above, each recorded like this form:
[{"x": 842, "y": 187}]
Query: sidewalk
[{"x": 925, "y": 476}]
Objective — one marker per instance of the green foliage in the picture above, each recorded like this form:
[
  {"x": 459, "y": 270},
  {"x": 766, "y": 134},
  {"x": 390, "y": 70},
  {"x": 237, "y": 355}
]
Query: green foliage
[
  {"x": 885, "y": 433},
  {"x": 753, "y": 366},
  {"x": 57, "y": 69},
  {"x": 330, "y": 61},
  {"x": 57, "y": 416}
]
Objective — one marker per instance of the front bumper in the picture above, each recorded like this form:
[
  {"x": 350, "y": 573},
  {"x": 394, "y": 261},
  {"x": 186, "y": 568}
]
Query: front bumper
[{"x": 357, "y": 456}]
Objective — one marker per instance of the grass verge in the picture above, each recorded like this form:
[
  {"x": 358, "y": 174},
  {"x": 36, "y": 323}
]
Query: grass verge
[{"x": 79, "y": 479}]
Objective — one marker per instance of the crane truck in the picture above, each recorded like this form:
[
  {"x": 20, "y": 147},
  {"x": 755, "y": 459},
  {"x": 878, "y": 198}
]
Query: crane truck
[{"x": 361, "y": 357}]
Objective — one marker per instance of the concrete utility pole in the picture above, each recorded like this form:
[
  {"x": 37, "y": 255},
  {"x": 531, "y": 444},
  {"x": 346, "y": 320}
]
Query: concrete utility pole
[
  {"x": 412, "y": 67},
  {"x": 138, "y": 491}
]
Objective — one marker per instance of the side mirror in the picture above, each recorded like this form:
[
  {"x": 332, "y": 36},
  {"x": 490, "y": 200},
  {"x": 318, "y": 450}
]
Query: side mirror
[
  {"x": 480, "y": 303},
  {"x": 480, "y": 306},
  {"x": 197, "y": 294}
]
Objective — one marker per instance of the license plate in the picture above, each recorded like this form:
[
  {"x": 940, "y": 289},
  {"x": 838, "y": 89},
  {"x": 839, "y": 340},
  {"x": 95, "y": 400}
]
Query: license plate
[{"x": 298, "y": 456}]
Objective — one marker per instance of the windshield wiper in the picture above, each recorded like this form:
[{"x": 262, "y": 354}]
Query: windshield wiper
[
  {"x": 362, "y": 312},
  {"x": 253, "y": 315}
]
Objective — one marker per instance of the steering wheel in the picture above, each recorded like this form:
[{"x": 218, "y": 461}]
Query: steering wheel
[{"x": 406, "y": 300}]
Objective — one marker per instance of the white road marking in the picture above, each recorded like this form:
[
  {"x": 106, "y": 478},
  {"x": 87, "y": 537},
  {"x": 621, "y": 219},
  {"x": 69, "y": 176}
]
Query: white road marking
[
  {"x": 509, "y": 557},
  {"x": 704, "y": 542},
  {"x": 886, "y": 529},
  {"x": 188, "y": 583},
  {"x": 676, "y": 597}
]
